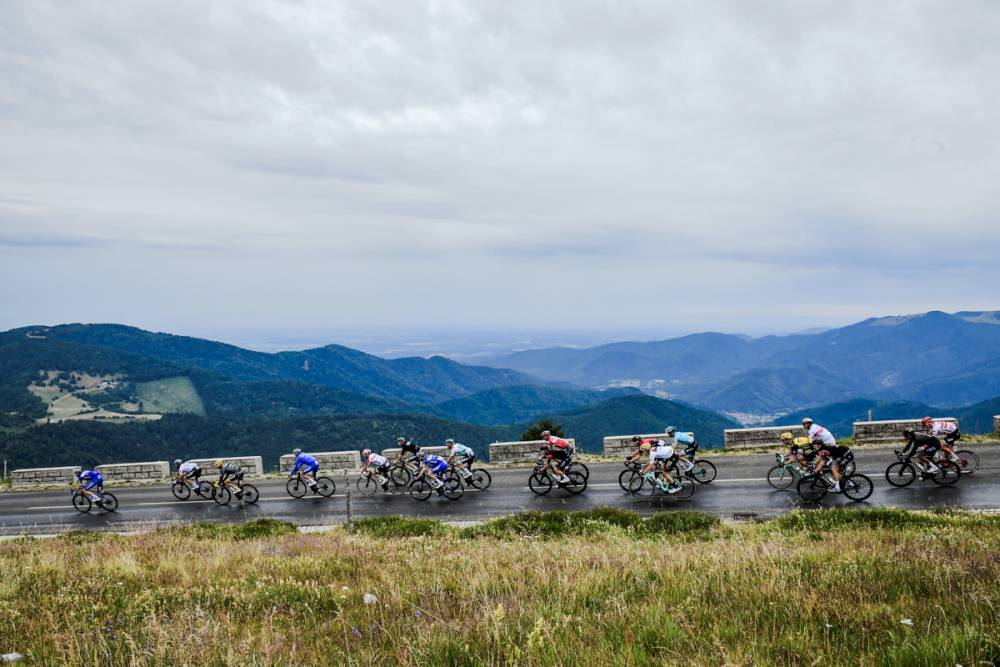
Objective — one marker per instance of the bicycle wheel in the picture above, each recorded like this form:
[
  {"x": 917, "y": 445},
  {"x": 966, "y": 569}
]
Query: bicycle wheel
[
  {"x": 109, "y": 502},
  {"x": 948, "y": 474},
  {"x": 180, "y": 490},
  {"x": 968, "y": 462},
  {"x": 540, "y": 483},
  {"x": 900, "y": 474},
  {"x": 296, "y": 487},
  {"x": 581, "y": 468},
  {"x": 222, "y": 495},
  {"x": 687, "y": 489},
  {"x": 420, "y": 489},
  {"x": 577, "y": 482},
  {"x": 703, "y": 471},
  {"x": 625, "y": 478},
  {"x": 81, "y": 502},
  {"x": 811, "y": 488},
  {"x": 480, "y": 479},
  {"x": 857, "y": 486},
  {"x": 848, "y": 469},
  {"x": 400, "y": 475},
  {"x": 780, "y": 477},
  {"x": 325, "y": 486},
  {"x": 366, "y": 485},
  {"x": 204, "y": 490},
  {"x": 249, "y": 494},
  {"x": 643, "y": 488},
  {"x": 453, "y": 487}
]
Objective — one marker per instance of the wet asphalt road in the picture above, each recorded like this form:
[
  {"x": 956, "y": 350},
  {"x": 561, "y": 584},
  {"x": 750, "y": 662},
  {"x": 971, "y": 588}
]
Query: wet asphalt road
[{"x": 740, "y": 487}]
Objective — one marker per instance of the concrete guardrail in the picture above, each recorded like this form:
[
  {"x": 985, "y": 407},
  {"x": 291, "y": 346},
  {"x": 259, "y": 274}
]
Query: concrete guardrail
[
  {"x": 43, "y": 476},
  {"x": 996, "y": 423},
  {"x": 621, "y": 445},
  {"x": 135, "y": 472},
  {"x": 523, "y": 451},
  {"x": 342, "y": 462},
  {"x": 253, "y": 466},
  {"x": 876, "y": 432},
  {"x": 768, "y": 436}
]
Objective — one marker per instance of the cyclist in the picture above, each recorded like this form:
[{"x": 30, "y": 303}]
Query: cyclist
[
  {"x": 432, "y": 465},
  {"x": 230, "y": 471},
  {"x": 690, "y": 447},
  {"x": 817, "y": 434},
  {"x": 946, "y": 431},
  {"x": 309, "y": 465},
  {"x": 837, "y": 456},
  {"x": 189, "y": 473},
  {"x": 796, "y": 449},
  {"x": 92, "y": 483},
  {"x": 407, "y": 447},
  {"x": 641, "y": 449},
  {"x": 660, "y": 454},
  {"x": 559, "y": 451},
  {"x": 924, "y": 445},
  {"x": 460, "y": 457},
  {"x": 378, "y": 464}
]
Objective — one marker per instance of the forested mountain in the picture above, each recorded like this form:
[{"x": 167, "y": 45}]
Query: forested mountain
[
  {"x": 512, "y": 405},
  {"x": 934, "y": 357}
]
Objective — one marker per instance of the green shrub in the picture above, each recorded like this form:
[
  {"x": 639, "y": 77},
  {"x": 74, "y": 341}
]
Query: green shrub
[
  {"x": 398, "y": 526},
  {"x": 556, "y": 523},
  {"x": 684, "y": 521},
  {"x": 885, "y": 518},
  {"x": 249, "y": 530},
  {"x": 611, "y": 515}
]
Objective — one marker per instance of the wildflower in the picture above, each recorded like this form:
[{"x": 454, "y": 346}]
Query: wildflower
[
  {"x": 370, "y": 598},
  {"x": 418, "y": 614},
  {"x": 355, "y": 632},
  {"x": 906, "y": 621},
  {"x": 828, "y": 626},
  {"x": 344, "y": 589}
]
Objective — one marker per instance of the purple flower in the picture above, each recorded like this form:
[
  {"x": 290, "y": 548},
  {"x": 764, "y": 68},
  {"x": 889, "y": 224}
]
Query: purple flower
[
  {"x": 355, "y": 632},
  {"x": 418, "y": 613}
]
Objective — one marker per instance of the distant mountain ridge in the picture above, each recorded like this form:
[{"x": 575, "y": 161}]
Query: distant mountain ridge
[{"x": 931, "y": 357}]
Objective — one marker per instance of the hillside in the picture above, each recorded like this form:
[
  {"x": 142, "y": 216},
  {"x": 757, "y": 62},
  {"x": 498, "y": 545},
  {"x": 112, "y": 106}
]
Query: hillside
[
  {"x": 511, "y": 405},
  {"x": 934, "y": 357}
]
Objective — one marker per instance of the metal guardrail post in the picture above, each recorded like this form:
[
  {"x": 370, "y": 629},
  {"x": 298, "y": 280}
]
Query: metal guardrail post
[{"x": 350, "y": 512}]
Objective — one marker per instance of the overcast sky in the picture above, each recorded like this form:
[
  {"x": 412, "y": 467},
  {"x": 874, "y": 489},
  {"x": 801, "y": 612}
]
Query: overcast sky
[{"x": 765, "y": 166}]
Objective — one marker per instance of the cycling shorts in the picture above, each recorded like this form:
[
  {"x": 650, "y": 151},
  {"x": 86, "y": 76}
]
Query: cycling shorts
[
  {"x": 559, "y": 454},
  {"x": 97, "y": 482},
  {"x": 311, "y": 469},
  {"x": 467, "y": 460},
  {"x": 932, "y": 447},
  {"x": 953, "y": 437},
  {"x": 440, "y": 466}
]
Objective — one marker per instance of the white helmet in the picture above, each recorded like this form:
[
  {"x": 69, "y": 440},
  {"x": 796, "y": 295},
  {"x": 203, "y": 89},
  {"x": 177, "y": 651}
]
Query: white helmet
[
  {"x": 296, "y": 451},
  {"x": 365, "y": 453}
]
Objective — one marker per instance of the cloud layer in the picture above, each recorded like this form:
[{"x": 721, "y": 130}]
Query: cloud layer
[{"x": 579, "y": 164}]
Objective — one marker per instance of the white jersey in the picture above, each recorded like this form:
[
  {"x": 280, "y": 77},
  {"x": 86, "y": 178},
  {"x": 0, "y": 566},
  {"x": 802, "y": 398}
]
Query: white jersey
[
  {"x": 188, "y": 468},
  {"x": 943, "y": 428},
  {"x": 660, "y": 451},
  {"x": 377, "y": 460},
  {"x": 819, "y": 434}
]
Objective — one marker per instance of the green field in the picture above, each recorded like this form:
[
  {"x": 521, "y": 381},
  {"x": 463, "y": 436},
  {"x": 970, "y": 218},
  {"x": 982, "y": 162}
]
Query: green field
[
  {"x": 170, "y": 396},
  {"x": 856, "y": 587}
]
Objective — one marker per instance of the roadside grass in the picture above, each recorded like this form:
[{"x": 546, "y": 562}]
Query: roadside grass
[
  {"x": 873, "y": 588},
  {"x": 398, "y": 526}
]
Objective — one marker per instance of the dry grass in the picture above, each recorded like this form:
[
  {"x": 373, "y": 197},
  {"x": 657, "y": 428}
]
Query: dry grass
[{"x": 792, "y": 593}]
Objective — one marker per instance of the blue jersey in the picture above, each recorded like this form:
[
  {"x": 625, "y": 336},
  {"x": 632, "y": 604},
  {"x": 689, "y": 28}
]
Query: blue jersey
[
  {"x": 91, "y": 478},
  {"x": 306, "y": 461},
  {"x": 435, "y": 463},
  {"x": 683, "y": 439}
]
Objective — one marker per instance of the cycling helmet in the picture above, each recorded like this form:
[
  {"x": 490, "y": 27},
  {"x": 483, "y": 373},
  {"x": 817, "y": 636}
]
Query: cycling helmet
[
  {"x": 449, "y": 442},
  {"x": 908, "y": 433},
  {"x": 671, "y": 430},
  {"x": 76, "y": 473},
  {"x": 807, "y": 420},
  {"x": 296, "y": 451},
  {"x": 218, "y": 463},
  {"x": 178, "y": 462},
  {"x": 637, "y": 439},
  {"x": 546, "y": 435},
  {"x": 786, "y": 436},
  {"x": 927, "y": 421},
  {"x": 366, "y": 452},
  {"x": 400, "y": 440}
]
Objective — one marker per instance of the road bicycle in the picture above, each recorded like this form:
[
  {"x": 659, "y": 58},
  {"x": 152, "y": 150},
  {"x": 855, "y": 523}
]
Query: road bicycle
[
  {"x": 904, "y": 471},
  {"x": 814, "y": 488},
  {"x": 450, "y": 487},
  {"x": 704, "y": 471},
  {"x": 646, "y": 488},
  {"x": 182, "y": 490},
  {"x": 477, "y": 478},
  {"x": 223, "y": 493},
  {"x": 542, "y": 478},
  {"x": 968, "y": 461},
  {"x": 633, "y": 470},
  {"x": 83, "y": 502},
  {"x": 298, "y": 485},
  {"x": 785, "y": 474},
  {"x": 368, "y": 485}
]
